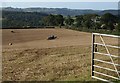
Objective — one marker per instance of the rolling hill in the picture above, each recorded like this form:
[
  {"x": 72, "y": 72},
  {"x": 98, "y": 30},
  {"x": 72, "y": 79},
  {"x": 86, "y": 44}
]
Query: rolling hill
[{"x": 62, "y": 11}]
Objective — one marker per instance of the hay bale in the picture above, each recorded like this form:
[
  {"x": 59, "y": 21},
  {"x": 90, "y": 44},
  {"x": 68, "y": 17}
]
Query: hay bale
[
  {"x": 12, "y": 31},
  {"x": 51, "y": 37},
  {"x": 10, "y": 44}
]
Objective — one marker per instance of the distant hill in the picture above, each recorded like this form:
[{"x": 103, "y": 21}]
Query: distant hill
[
  {"x": 114, "y": 12},
  {"x": 62, "y": 11}
]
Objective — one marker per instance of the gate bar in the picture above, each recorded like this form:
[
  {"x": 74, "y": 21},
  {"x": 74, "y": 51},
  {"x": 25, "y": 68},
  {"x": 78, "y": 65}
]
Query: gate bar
[
  {"x": 106, "y": 75},
  {"x": 105, "y": 62},
  {"x": 105, "y": 68},
  {"x": 107, "y": 54},
  {"x": 106, "y": 35},
  {"x": 107, "y": 45},
  {"x": 101, "y": 79}
]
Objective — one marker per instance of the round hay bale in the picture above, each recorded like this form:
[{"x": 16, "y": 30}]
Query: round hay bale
[
  {"x": 51, "y": 37},
  {"x": 12, "y": 31},
  {"x": 10, "y": 44}
]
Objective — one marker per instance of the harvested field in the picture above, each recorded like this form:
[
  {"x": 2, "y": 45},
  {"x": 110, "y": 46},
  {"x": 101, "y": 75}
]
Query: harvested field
[
  {"x": 32, "y": 57},
  {"x": 37, "y": 38}
]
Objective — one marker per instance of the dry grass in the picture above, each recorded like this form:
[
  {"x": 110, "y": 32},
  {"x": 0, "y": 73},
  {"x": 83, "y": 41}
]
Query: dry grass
[
  {"x": 33, "y": 58},
  {"x": 63, "y": 63}
]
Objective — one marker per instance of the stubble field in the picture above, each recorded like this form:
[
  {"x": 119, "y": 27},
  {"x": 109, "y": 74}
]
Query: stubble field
[{"x": 32, "y": 57}]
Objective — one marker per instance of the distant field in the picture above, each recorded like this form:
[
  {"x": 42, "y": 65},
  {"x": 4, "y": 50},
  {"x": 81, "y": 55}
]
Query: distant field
[
  {"x": 33, "y": 57},
  {"x": 37, "y": 38}
]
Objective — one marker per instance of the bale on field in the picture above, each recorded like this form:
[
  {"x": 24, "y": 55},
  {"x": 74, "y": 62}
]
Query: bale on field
[
  {"x": 10, "y": 44},
  {"x": 52, "y": 37},
  {"x": 12, "y": 31}
]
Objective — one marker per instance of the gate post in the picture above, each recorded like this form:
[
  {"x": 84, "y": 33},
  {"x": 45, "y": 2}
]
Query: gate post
[{"x": 92, "y": 67}]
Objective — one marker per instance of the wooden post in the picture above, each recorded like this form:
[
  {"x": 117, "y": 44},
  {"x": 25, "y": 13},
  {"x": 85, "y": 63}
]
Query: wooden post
[{"x": 92, "y": 67}]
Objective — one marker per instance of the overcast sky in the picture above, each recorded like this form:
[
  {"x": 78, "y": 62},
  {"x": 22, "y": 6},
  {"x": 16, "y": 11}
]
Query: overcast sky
[
  {"x": 70, "y": 5},
  {"x": 60, "y": 0}
]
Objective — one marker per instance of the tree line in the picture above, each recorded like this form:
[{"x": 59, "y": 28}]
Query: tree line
[
  {"x": 82, "y": 22},
  {"x": 12, "y": 19}
]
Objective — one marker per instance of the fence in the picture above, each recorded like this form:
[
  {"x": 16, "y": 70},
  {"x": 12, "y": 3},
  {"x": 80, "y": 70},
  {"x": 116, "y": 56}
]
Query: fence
[{"x": 116, "y": 70}]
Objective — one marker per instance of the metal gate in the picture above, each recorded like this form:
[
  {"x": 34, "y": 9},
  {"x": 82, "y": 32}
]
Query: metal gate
[{"x": 96, "y": 61}]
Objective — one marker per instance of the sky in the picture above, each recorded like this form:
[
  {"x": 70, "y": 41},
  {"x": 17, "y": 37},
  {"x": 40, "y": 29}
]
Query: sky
[
  {"x": 70, "y": 5},
  {"x": 60, "y": 0}
]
